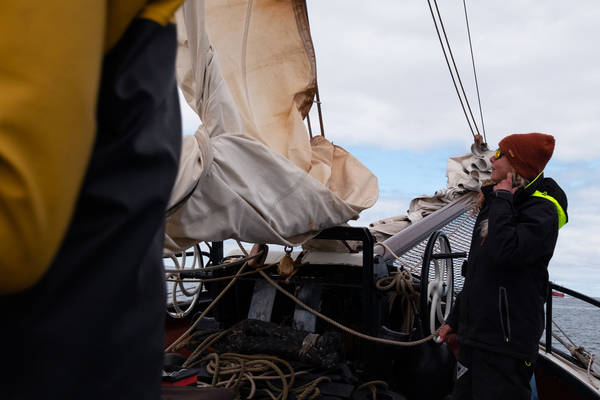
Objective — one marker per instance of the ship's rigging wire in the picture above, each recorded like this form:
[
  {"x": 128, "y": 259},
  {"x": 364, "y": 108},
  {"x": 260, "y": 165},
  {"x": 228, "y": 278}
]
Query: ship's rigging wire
[
  {"x": 474, "y": 71},
  {"x": 470, "y": 121}
]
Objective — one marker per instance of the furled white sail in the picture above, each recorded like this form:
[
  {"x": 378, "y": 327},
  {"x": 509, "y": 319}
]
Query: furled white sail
[
  {"x": 250, "y": 171},
  {"x": 465, "y": 173}
]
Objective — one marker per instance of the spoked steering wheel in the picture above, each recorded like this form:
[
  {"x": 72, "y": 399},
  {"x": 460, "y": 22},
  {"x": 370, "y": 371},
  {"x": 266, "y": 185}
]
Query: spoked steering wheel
[
  {"x": 184, "y": 295},
  {"x": 437, "y": 282}
]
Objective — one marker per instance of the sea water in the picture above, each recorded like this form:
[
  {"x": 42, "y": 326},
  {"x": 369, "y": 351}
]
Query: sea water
[{"x": 580, "y": 321}]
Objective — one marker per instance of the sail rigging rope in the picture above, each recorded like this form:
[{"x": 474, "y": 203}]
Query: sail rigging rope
[
  {"x": 221, "y": 278},
  {"x": 244, "y": 59},
  {"x": 207, "y": 309},
  {"x": 587, "y": 370},
  {"x": 563, "y": 332},
  {"x": 317, "y": 97},
  {"x": 342, "y": 327},
  {"x": 372, "y": 386},
  {"x": 474, "y": 71},
  {"x": 580, "y": 354},
  {"x": 259, "y": 268},
  {"x": 400, "y": 284},
  {"x": 333, "y": 322},
  {"x": 470, "y": 121},
  {"x": 227, "y": 264},
  {"x": 319, "y": 110},
  {"x": 589, "y": 374}
]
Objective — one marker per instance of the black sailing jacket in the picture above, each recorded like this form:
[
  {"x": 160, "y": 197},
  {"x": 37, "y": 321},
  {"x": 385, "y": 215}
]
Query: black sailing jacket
[{"x": 501, "y": 306}]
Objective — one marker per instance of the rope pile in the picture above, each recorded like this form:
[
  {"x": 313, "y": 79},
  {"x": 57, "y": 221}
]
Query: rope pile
[
  {"x": 372, "y": 386},
  {"x": 265, "y": 373},
  {"x": 400, "y": 284},
  {"x": 237, "y": 371}
]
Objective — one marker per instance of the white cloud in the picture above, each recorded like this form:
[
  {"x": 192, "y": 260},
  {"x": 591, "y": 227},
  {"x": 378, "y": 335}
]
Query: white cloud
[
  {"x": 381, "y": 72},
  {"x": 384, "y": 83},
  {"x": 575, "y": 262}
]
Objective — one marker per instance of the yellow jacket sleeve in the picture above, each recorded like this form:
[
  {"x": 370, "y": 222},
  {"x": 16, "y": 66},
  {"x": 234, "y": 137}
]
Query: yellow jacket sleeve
[
  {"x": 121, "y": 12},
  {"x": 51, "y": 58}
]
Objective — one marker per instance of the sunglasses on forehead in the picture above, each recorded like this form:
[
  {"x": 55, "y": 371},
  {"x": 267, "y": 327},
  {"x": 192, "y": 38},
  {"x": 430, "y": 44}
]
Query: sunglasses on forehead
[{"x": 498, "y": 154}]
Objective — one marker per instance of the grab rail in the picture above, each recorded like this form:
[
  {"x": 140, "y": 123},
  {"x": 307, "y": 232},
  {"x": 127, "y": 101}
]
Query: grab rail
[{"x": 552, "y": 286}]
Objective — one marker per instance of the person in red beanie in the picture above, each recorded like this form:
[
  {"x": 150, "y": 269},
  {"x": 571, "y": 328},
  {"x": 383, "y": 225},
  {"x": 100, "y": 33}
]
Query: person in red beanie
[{"x": 498, "y": 317}]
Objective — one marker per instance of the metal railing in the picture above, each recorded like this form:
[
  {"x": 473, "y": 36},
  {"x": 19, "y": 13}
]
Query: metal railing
[{"x": 551, "y": 287}]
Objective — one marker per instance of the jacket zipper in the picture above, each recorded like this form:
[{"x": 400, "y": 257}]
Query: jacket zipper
[{"x": 504, "y": 315}]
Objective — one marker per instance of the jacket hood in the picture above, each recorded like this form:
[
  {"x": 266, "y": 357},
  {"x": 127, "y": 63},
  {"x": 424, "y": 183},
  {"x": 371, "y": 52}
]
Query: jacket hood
[
  {"x": 552, "y": 188},
  {"x": 547, "y": 185}
]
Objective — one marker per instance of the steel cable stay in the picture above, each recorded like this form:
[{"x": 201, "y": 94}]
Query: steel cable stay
[
  {"x": 474, "y": 71},
  {"x": 455, "y": 67},
  {"x": 470, "y": 121}
]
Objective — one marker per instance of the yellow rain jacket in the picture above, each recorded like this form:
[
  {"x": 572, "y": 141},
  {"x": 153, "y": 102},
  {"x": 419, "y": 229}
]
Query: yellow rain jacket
[{"x": 52, "y": 53}]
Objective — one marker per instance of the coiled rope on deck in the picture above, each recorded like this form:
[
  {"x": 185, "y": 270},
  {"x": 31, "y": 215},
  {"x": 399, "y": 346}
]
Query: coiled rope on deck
[
  {"x": 372, "y": 386},
  {"x": 400, "y": 283},
  {"x": 232, "y": 370}
]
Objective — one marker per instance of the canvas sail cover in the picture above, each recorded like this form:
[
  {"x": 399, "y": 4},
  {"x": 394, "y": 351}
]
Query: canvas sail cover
[
  {"x": 250, "y": 171},
  {"x": 465, "y": 173}
]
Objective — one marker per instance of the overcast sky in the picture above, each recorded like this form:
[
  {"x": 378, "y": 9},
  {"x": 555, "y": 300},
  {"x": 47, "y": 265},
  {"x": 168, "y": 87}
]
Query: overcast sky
[{"x": 388, "y": 98}]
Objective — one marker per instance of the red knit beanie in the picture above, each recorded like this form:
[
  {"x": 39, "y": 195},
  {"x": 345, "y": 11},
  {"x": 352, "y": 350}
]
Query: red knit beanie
[{"x": 528, "y": 153}]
